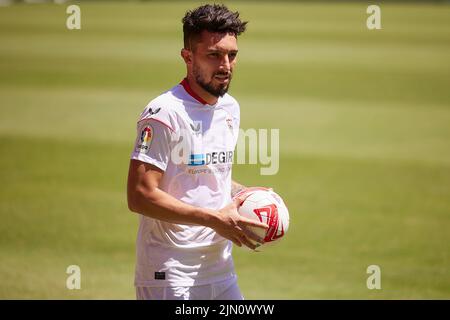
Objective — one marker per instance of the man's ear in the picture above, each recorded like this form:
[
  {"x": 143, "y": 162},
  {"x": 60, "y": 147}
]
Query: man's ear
[{"x": 186, "y": 55}]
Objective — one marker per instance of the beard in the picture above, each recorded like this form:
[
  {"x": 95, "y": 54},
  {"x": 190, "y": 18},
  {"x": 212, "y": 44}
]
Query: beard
[{"x": 216, "y": 90}]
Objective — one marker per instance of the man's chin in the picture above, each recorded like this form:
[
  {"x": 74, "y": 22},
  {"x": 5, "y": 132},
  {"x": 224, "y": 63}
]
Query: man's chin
[
  {"x": 214, "y": 87},
  {"x": 217, "y": 91},
  {"x": 220, "y": 85},
  {"x": 221, "y": 92}
]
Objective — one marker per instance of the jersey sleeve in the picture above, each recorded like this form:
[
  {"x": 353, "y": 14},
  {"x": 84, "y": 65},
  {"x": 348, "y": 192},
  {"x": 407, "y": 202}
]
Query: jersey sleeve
[{"x": 153, "y": 143}]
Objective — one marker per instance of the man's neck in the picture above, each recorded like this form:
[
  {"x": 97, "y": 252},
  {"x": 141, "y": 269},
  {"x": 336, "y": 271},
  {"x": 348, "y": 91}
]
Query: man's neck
[{"x": 202, "y": 93}]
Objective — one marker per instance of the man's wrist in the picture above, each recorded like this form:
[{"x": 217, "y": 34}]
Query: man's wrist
[
  {"x": 236, "y": 188},
  {"x": 206, "y": 217}
]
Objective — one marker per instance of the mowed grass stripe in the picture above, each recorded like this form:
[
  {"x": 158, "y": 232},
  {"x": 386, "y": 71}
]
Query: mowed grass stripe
[
  {"x": 383, "y": 131},
  {"x": 63, "y": 203},
  {"x": 348, "y": 217},
  {"x": 363, "y": 65}
]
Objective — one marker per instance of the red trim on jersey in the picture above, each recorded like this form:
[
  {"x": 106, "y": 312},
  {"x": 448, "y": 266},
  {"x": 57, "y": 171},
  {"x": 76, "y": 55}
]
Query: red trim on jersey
[
  {"x": 165, "y": 124},
  {"x": 191, "y": 92}
]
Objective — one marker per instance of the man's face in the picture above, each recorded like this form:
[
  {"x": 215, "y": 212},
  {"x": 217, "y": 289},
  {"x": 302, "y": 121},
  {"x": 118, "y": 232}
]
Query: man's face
[{"x": 213, "y": 60}]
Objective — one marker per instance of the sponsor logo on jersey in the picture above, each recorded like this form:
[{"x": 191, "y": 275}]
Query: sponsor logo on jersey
[
  {"x": 196, "y": 127},
  {"x": 197, "y": 159},
  {"x": 145, "y": 139},
  {"x": 200, "y": 159}
]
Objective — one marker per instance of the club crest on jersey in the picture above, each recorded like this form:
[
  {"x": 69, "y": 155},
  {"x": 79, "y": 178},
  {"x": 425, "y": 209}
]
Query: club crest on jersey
[
  {"x": 145, "y": 139},
  {"x": 230, "y": 123}
]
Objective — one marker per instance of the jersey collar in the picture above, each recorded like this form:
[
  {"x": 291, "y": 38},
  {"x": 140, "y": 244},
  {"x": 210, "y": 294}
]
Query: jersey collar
[{"x": 191, "y": 92}]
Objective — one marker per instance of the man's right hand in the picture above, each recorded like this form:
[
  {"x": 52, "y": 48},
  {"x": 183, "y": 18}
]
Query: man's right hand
[{"x": 231, "y": 225}]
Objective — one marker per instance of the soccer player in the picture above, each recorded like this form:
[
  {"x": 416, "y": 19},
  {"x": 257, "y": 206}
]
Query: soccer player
[{"x": 179, "y": 177}]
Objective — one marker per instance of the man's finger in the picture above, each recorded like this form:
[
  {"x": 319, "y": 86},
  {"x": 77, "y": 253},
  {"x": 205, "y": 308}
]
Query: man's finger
[
  {"x": 254, "y": 223},
  {"x": 247, "y": 242},
  {"x": 253, "y": 236},
  {"x": 236, "y": 241},
  {"x": 239, "y": 201},
  {"x": 258, "y": 246}
]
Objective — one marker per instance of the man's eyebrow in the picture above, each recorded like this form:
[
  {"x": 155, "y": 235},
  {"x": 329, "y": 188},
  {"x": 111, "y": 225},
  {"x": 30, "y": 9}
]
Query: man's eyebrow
[{"x": 221, "y": 50}]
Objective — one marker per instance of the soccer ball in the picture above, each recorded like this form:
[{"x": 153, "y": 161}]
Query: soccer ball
[{"x": 264, "y": 205}]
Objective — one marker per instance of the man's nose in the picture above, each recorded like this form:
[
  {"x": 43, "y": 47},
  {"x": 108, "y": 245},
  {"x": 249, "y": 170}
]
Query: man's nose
[{"x": 225, "y": 63}]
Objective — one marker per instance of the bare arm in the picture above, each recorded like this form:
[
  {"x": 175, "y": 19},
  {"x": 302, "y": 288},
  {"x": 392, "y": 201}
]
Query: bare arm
[
  {"x": 236, "y": 188},
  {"x": 145, "y": 197}
]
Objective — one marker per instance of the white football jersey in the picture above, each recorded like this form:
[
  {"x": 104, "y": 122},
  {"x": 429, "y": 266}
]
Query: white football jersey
[{"x": 193, "y": 143}]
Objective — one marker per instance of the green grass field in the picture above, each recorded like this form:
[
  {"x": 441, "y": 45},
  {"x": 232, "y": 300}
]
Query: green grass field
[{"x": 364, "y": 119}]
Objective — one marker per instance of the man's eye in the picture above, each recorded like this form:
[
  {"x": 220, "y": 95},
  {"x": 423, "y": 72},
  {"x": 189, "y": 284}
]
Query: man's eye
[{"x": 214, "y": 55}]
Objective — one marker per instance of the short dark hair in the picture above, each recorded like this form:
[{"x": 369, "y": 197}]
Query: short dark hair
[{"x": 212, "y": 18}]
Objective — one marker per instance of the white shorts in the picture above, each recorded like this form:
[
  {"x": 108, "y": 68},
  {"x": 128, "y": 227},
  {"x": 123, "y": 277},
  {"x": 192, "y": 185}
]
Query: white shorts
[{"x": 223, "y": 290}]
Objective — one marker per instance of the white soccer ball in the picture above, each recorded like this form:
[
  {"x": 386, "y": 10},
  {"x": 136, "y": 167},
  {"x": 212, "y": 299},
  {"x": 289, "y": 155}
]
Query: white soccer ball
[{"x": 266, "y": 206}]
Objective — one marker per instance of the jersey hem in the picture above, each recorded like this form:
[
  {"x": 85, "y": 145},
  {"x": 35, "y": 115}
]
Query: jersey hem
[{"x": 191, "y": 283}]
